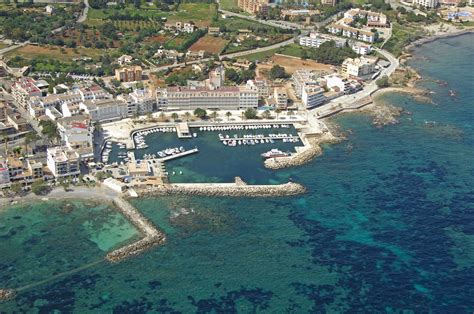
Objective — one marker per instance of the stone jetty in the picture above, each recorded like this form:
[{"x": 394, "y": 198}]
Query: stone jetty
[
  {"x": 7, "y": 294},
  {"x": 303, "y": 154},
  {"x": 152, "y": 236},
  {"x": 237, "y": 189}
]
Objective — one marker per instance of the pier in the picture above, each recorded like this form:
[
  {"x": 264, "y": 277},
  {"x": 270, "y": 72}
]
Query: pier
[
  {"x": 256, "y": 138},
  {"x": 152, "y": 236},
  {"x": 179, "y": 155}
]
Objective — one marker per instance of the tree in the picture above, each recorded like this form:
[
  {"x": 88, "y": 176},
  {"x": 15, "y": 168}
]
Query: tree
[
  {"x": 278, "y": 72},
  {"x": 115, "y": 82},
  {"x": 49, "y": 129},
  {"x": 39, "y": 187},
  {"x": 214, "y": 115},
  {"x": 228, "y": 115},
  {"x": 382, "y": 82},
  {"x": 266, "y": 114},
  {"x": 250, "y": 113},
  {"x": 30, "y": 138},
  {"x": 16, "y": 187},
  {"x": 200, "y": 113},
  {"x": 174, "y": 116}
]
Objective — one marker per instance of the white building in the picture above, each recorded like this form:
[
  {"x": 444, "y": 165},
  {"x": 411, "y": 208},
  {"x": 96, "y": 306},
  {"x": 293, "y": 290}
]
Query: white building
[
  {"x": 105, "y": 109},
  {"x": 430, "y": 4},
  {"x": 358, "y": 67},
  {"x": 63, "y": 161},
  {"x": 313, "y": 96},
  {"x": 314, "y": 40},
  {"x": 222, "y": 98},
  {"x": 124, "y": 60},
  {"x": 4, "y": 174},
  {"x": 302, "y": 79}
]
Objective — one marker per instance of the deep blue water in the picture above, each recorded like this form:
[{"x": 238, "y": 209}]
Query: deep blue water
[{"x": 387, "y": 226}]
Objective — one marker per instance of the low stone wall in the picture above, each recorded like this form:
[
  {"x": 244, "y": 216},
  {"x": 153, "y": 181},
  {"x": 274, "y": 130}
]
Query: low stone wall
[
  {"x": 7, "y": 294},
  {"x": 311, "y": 150},
  {"x": 238, "y": 189}
]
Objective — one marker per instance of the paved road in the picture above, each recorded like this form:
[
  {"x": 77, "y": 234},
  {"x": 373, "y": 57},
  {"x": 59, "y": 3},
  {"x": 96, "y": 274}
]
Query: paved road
[
  {"x": 82, "y": 18},
  {"x": 347, "y": 100}
]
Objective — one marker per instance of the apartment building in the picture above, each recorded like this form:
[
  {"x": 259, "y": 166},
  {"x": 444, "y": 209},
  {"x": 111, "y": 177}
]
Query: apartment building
[
  {"x": 102, "y": 110},
  {"x": 129, "y": 74},
  {"x": 77, "y": 133},
  {"x": 140, "y": 101},
  {"x": 358, "y": 67},
  {"x": 63, "y": 161},
  {"x": 313, "y": 96},
  {"x": 302, "y": 79},
  {"x": 23, "y": 90},
  {"x": 254, "y": 6},
  {"x": 281, "y": 97},
  {"x": 307, "y": 88}
]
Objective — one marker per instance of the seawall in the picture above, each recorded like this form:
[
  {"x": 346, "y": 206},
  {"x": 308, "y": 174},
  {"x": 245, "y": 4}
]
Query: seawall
[
  {"x": 152, "y": 236},
  {"x": 236, "y": 189}
]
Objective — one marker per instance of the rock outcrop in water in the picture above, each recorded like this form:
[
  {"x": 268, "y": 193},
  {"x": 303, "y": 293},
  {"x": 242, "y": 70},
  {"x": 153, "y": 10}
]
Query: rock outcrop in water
[
  {"x": 237, "y": 189},
  {"x": 7, "y": 294}
]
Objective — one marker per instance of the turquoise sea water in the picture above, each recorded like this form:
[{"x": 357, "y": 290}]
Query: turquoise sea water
[{"x": 386, "y": 226}]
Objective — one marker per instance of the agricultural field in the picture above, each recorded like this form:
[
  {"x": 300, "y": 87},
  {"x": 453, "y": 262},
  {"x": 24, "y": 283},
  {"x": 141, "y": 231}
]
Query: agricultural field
[
  {"x": 291, "y": 64},
  {"x": 86, "y": 38},
  {"x": 229, "y": 5},
  {"x": 135, "y": 25},
  {"x": 52, "y": 52},
  {"x": 200, "y": 13},
  {"x": 161, "y": 39},
  {"x": 210, "y": 43}
]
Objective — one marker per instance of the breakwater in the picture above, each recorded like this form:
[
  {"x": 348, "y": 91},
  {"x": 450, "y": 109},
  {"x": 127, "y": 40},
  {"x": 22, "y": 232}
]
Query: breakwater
[
  {"x": 303, "y": 154},
  {"x": 237, "y": 189},
  {"x": 152, "y": 236}
]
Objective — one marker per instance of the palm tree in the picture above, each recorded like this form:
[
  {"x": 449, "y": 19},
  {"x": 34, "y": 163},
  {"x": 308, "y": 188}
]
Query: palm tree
[
  {"x": 162, "y": 115},
  {"x": 228, "y": 115},
  {"x": 214, "y": 115},
  {"x": 5, "y": 142},
  {"x": 277, "y": 111},
  {"x": 174, "y": 116},
  {"x": 187, "y": 114}
]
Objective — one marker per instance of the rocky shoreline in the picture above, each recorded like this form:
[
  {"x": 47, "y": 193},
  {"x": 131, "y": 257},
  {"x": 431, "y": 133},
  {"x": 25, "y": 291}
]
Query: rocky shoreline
[
  {"x": 237, "y": 189},
  {"x": 303, "y": 155}
]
